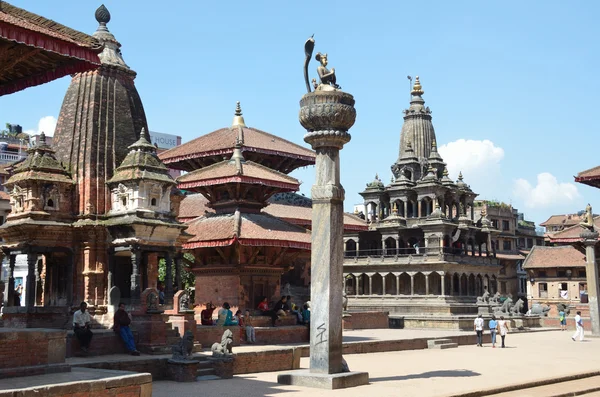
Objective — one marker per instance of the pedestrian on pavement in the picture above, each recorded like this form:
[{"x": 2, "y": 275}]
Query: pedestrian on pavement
[
  {"x": 493, "y": 330},
  {"x": 578, "y": 327},
  {"x": 563, "y": 320},
  {"x": 478, "y": 327},
  {"x": 503, "y": 327}
]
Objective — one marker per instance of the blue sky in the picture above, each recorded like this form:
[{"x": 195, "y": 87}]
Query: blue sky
[{"x": 512, "y": 84}]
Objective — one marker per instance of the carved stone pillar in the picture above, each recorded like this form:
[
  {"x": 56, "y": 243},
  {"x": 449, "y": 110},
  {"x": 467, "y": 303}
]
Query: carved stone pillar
[
  {"x": 9, "y": 289},
  {"x": 39, "y": 284},
  {"x": 111, "y": 270},
  {"x": 397, "y": 284},
  {"x": 359, "y": 285},
  {"x": 451, "y": 285},
  {"x": 591, "y": 273},
  {"x": 443, "y": 280},
  {"x": 426, "y": 284},
  {"x": 412, "y": 284},
  {"x": 136, "y": 260},
  {"x": 405, "y": 213},
  {"x": 419, "y": 208},
  {"x": 168, "y": 279},
  {"x": 178, "y": 264},
  {"x": 30, "y": 280},
  {"x": 357, "y": 248},
  {"x": 382, "y": 285},
  {"x": 460, "y": 291},
  {"x": 370, "y": 283}
]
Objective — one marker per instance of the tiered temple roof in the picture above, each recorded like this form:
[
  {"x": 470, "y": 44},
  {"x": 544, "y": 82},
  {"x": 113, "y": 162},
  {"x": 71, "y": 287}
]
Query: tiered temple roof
[{"x": 35, "y": 50}]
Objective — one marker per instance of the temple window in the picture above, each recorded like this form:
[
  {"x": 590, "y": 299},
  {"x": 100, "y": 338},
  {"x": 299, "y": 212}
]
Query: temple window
[
  {"x": 153, "y": 202},
  {"x": 543, "y": 287},
  {"x": 50, "y": 203},
  {"x": 124, "y": 201}
]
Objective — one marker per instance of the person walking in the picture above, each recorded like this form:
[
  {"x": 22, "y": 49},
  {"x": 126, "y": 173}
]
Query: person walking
[
  {"x": 503, "y": 327},
  {"x": 578, "y": 327},
  {"x": 563, "y": 320},
  {"x": 493, "y": 330},
  {"x": 478, "y": 327}
]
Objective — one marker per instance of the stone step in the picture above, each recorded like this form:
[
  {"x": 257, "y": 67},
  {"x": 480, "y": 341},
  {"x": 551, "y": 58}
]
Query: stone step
[
  {"x": 204, "y": 363},
  {"x": 433, "y": 343},
  {"x": 445, "y": 346},
  {"x": 205, "y": 371},
  {"x": 207, "y": 377}
]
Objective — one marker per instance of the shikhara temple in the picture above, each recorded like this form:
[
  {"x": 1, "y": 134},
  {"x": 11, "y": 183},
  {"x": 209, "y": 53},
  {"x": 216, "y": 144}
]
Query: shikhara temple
[{"x": 424, "y": 251}]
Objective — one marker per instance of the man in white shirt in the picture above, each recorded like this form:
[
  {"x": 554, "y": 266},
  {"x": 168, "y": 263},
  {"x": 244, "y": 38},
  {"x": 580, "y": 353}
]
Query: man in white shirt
[
  {"x": 478, "y": 327},
  {"x": 81, "y": 326},
  {"x": 578, "y": 327}
]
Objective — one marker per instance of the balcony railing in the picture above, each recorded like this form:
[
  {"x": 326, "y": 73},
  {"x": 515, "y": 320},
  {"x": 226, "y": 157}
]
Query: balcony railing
[{"x": 403, "y": 252}]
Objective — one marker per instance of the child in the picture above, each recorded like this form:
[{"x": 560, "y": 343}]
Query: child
[
  {"x": 563, "y": 320},
  {"x": 250, "y": 337},
  {"x": 305, "y": 314}
]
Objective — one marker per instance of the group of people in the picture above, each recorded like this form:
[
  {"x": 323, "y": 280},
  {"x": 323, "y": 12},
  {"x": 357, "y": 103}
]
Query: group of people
[
  {"x": 495, "y": 326},
  {"x": 82, "y": 326},
  {"x": 282, "y": 307}
]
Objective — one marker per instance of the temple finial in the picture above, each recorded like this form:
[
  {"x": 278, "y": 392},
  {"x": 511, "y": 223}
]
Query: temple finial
[
  {"x": 43, "y": 138},
  {"x": 417, "y": 89},
  {"x": 445, "y": 173},
  {"x": 433, "y": 145},
  {"x": 460, "y": 176},
  {"x": 238, "y": 119},
  {"x": 102, "y": 15}
]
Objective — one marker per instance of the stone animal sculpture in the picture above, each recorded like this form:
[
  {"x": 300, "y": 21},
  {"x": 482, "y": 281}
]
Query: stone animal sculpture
[
  {"x": 224, "y": 348},
  {"x": 564, "y": 308},
  {"x": 505, "y": 308},
  {"x": 184, "y": 349},
  {"x": 540, "y": 310},
  {"x": 184, "y": 302},
  {"x": 517, "y": 308},
  {"x": 494, "y": 300},
  {"x": 344, "y": 300},
  {"x": 152, "y": 302},
  {"x": 484, "y": 298}
]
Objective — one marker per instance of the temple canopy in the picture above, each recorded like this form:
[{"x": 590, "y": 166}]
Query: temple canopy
[{"x": 35, "y": 50}]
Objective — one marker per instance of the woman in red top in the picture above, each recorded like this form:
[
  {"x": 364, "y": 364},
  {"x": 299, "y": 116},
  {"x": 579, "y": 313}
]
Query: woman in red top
[
  {"x": 264, "y": 305},
  {"x": 264, "y": 308},
  {"x": 206, "y": 314}
]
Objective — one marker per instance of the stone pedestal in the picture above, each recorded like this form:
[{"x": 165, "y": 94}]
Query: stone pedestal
[
  {"x": 223, "y": 367},
  {"x": 484, "y": 309},
  {"x": 182, "y": 370},
  {"x": 327, "y": 114},
  {"x": 590, "y": 239}
]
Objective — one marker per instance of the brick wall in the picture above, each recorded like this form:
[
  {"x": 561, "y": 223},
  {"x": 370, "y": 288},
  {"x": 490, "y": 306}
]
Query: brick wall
[
  {"x": 279, "y": 335},
  {"x": 30, "y": 347},
  {"x": 218, "y": 289},
  {"x": 155, "y": 366},
  {"x": 266, "y": 361},
  {"x": 366, "y": 320},
  {"x": 103, "y": 342},
  {"x": 209, "y": 334}
]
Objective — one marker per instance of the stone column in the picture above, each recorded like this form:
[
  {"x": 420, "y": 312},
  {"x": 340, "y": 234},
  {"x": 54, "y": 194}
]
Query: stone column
[
  {"x": 590, "y": 238},
  {"x": 168, "y": 279},
  {"x": 383, "y": 247},
  {"x": 460, "y": 286},
  {"x": 451, "y": 284},
  {"x": 136, "y": 260},
  {"x": 111, "y": 270},
  {"x": 412, "y": 284},
  {"x": 9, "y": 289},
  {"x": 327, "y": 116},
  {"x": 383, "y": 284},
  {"x": 39, "y": 285},
  {"x": 443, "y": 280},
  {"x": 178, "y": 262},
  {"x": 359, "y": 285},
  {"x": 397, "y": 284},
  {"x": 426, "y": 284},
  {"x": 419, "y": 208},
  {"x": 357, "y": 248},
  {"x": 30, "y": 280},
  {"x": 370, "y": 275},
  {"x": 405, "y": 214}
]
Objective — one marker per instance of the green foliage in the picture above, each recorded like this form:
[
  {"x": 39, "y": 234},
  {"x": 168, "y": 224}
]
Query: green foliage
[{"x": 187, "y": 277}]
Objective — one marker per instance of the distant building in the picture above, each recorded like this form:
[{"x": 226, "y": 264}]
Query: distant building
[
  {"x": 165, "y": 142},
  {"x": 13, "y": 144}
]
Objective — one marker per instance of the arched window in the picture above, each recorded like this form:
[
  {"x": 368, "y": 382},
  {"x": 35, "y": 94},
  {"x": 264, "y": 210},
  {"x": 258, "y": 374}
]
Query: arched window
[
  {"x": 153, "y": 202},
  {"x": 50, "y": 203},
  {"x": 124, "y": 201}
]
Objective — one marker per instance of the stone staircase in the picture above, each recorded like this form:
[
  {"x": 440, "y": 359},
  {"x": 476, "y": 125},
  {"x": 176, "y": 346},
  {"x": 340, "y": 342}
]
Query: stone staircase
[
  {"x": 205, "y": 370},
  {"x": 441, "y": 344}
]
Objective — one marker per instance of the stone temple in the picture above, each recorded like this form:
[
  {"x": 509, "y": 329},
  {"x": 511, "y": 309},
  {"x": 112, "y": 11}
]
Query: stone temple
[{"x": 424, "y": 252}]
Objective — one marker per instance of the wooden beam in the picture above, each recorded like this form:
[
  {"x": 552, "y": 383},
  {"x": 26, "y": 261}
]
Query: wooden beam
[
  {"x": 280, "y": 256},
  {"x": 222, "y": 255}
]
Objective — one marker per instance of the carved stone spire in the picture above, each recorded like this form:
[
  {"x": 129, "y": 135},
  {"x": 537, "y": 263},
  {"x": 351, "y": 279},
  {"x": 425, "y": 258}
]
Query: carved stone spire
[{"x": 111, "y": 55}]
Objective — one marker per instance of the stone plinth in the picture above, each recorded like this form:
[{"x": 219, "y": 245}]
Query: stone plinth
[
  {"x": 209, "y": 334},
  {"x": 324, "y": 381},
  {"x": 484, "y": 309},
  {"x": 183, "y": 322},
  {"x": 152, "y": 332},
  {"x": 57, "y": 317},
  {"x": 182, "y": 370},
  {"x": 223, "y": 366}
]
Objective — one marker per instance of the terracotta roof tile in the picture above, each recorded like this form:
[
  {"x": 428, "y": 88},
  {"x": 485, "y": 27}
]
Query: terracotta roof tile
[
  {"x": 251, "y": 173},
  {"x": 588, "y": 174},
  {"x": 551, "y": 257},
  {"x": 223, "y": 140},
  {"x": 571, "y": 234},
  {"x": 565, "y": 220},
  {"x": 4, "y": 195}
]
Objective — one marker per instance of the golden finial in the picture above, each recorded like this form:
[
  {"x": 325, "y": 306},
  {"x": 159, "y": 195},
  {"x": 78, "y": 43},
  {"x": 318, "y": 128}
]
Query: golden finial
[
  {"x": 417, "y": 89},
  {"x": 460, "y": 177},
  {"x": 237, "y": 118},
  {"x": 433, "y": 145},
  {"x": 445, "y": 173}
]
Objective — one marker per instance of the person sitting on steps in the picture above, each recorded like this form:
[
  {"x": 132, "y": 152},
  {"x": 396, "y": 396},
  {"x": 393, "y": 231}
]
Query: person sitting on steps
[
  {"x": 263, "y": 306},
  {"x": 81, "y": 327},
  {"x": 121, "y": 323}
]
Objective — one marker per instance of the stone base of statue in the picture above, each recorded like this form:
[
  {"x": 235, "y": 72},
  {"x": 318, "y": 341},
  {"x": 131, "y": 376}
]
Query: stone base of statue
[
  {"x": 223, "y": 366},
  {"x": 182, "y": 370},
  {"x": 324, "y": 381},
  {"x": 484, "y": 309}
]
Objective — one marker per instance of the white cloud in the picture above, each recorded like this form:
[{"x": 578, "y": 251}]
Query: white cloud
[
  {"x": 547, "y": 193},
  {"x": 475, "y": 159},
  {"x": 46, "y": 124}
]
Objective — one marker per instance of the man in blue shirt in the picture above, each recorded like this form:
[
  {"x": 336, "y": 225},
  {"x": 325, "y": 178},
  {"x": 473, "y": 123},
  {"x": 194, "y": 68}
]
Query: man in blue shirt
[{"x": 493, "y": 330}]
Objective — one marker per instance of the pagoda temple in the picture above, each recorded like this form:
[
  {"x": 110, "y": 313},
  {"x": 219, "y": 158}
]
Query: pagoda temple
[
  {"x": 94, "y": 213},
  {"x": 424, "y": 245}
]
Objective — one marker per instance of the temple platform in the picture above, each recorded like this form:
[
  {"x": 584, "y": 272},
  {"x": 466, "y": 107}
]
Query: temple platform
[
  {"x": 462, "y": 323},
  {"x": 80, "y": 382}
]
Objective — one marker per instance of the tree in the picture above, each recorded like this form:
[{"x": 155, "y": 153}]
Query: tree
[{"x": 187, "y": 277}]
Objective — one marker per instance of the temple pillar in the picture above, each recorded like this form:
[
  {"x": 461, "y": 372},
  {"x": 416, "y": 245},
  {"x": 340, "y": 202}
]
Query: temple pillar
[
  {"x": 412, "y": 284},
  {"x": 136, "y": 259},
  {"x": 39, "y": 284},
  {"x": 397, "y": 284},
  {"x": 357, "y": 248},
  {"x": 9, "y": 289},
  {"x": 419, "y": 208},
  {"x": 382, "y": 285},
  {"x": 178, "y": 262},
  {"x": 405, "y": 204},
  {"x": 443, "y": 281},
  {"x": 460, "y": 291},
  {"x": 590, "y": 239},
  {"x": 383, "y": 247},
  {"x": 451, "y": 284},
  {"x": 111, "y": 271},
  {"x": 30, "y": 280},
  {"x": 70, "y": 274},
  {"x": 370, "y": 275},
  {"x": 426, "y": 284},
  {"x": 359, "y": 285},
  {"x": 168, "y": 279}
]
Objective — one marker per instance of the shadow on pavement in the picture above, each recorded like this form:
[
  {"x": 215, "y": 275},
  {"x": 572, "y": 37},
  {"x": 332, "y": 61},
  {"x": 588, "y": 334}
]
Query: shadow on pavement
[
  {"x": 355, "y": 338},
  {"x": 460, "y": 373}
]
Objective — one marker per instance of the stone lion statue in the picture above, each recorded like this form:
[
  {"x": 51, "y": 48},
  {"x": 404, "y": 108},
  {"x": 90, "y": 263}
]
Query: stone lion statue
[
  {"x": 540, "y": 310},
  {"x": 484, "y": 298},
  {"x": 494, "y": 300},
  {"x": 517, "y": 308},
  {"x": 224, "y": 348},
  {"x": 184, "y": 302},
  {"x": 506, "y": 306},
  {"x": 184, "y": 350}
]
